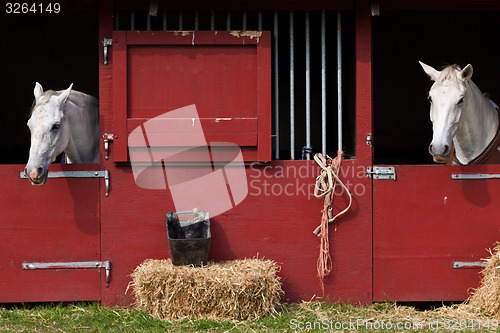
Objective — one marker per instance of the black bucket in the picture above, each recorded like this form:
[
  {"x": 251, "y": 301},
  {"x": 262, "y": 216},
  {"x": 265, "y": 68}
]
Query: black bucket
[{"x": 189, "y": 241}]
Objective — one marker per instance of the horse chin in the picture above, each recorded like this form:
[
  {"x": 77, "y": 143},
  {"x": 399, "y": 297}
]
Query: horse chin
[
  {"x": 38, "y": 182},
  {"x": 440, "y": 159}
]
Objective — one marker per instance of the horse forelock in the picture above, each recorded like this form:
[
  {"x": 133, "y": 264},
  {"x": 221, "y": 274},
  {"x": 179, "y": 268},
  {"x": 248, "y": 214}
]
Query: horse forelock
[
  {"x": 43, "y": 100},
  {"x": 449, "y": 76}
]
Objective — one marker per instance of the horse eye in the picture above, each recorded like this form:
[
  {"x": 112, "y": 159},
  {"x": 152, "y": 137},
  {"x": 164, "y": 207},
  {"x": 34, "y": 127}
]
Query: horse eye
[
  {"x": 461, "y": 100},
  {"x": 55, "y": 127}
]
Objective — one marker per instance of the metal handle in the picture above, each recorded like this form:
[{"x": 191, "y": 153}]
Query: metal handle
[
  {"x": 106, "y": 182},
  {"x": 107, "y": 138},
  {"x": 106, "y": 43}
]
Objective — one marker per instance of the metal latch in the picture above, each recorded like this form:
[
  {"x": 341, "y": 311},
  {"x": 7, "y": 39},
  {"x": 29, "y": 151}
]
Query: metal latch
[
  {"x": 381, "y": 172},
  {"x": 77, "y": 174},
  {"x": 107, "y": 137},
  {"x": 106, "y": 43},
  {"x": 71, "y": 265},
  {"x": 469, "y": 264},
  {"x": 474, "y": 175}
]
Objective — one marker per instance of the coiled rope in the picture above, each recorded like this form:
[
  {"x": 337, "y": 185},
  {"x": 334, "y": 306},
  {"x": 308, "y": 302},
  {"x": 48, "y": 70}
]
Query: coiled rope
[{"x": 325, "y": 188}]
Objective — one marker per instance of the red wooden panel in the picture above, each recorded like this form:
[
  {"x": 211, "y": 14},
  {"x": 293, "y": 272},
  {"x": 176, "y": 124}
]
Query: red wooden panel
[
  {"x": 274, "y": 221},
  {"x": 423, "y": 222},
  {"x": 193, "y": 38},
  {"x": 227, "y": 75},
  {"x": 120, "y": 95},
  {"x": 56, "y": 222}
]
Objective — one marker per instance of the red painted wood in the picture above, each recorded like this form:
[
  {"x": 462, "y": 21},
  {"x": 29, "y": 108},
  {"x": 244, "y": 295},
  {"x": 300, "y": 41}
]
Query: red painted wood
[
  {"x": 227, "y": 76},
  {"x": 241, "y": 5},
  {"x": 423, "y": 222},
  {"x": 191, "y": 38},
  {"x": 264, "y": 97},
  {"x": 120, "y": 100},
  {"x": 56, "y": 222},
  {"x": 274, "y": 221}
]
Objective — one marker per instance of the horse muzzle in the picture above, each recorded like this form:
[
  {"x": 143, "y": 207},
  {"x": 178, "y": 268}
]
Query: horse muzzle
[
  {"x": 37, "y": 176},
  {"x": 440, "y": 154}
]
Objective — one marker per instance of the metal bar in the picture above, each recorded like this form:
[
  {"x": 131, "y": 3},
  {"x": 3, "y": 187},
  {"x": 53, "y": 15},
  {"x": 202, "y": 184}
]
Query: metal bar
[
  {"x": 132, "y": 20},
  {"x": 244, "y": 21},
  {"x": 259, "y": 21},
  {"x": 276, "y": 90},
  {"x": 196, "y": 20},
  {"x": 117, "y": 20},
  {"x": 148, "y": 22},
  {"x": 71, "y": 174},
  {"x": 181, "y": 20},
  {"x": 164, "y": 20},
  {"x": 323, "y": 83},
  {"x": 470, "y": 264},
  {"x": 475, "y": 176},
  {"x": 292, "y": 89},
  {"x": 77, "y": 174},
  {"x": 339, "y": 81},
  {"x": 212, "y": 20},
  {"x": 308, "y": 84},
  {"x": 71, "y": 265},
  {"x": 228, "y": 20}
]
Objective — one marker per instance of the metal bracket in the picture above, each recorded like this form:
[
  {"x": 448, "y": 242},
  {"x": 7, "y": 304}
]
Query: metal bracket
[
  {"x": 77, "y": 174},
  {"x": 470, "y": 264},
  {"x": 71, "y": 265},
  {"x": 381, "y": 172},
  {"x": 474, "y": 176},
  {"x": 369, "y": 139},
  {"x": 106, "y": 43},
  {"x": 107, "y": 138}
]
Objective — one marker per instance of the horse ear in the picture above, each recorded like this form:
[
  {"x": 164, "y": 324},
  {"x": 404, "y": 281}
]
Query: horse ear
[
  {"x": 65, "y": 94},
  {"x": 38, "y": 91},
  {"x": 433, "y": 74},
  {"x": 466, "y": 72}
]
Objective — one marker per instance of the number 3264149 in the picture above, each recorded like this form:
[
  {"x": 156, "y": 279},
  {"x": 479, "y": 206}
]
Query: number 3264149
[{"x": 32, "y": 8}]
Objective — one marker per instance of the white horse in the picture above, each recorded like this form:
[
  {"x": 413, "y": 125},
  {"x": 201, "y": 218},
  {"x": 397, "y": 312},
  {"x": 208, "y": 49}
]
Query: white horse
[
  {"x": 461, "y": 114},
  {"x": 61, "y": 121}
]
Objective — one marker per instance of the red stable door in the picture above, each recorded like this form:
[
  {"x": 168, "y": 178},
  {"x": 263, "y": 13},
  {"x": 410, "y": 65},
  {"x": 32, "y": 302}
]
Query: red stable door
[
  {"x": 432, "y": 225},
  {"x": 50, "y": 235}
]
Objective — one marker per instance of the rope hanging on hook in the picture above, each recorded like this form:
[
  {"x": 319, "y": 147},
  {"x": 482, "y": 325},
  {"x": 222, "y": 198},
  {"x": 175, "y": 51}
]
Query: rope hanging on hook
[{"x": 325, "y": 188}]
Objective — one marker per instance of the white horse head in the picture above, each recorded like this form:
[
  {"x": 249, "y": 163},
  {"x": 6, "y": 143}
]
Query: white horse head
[
  {"x": 460, "y": 114},
  {"x": 61, "y": 122}
]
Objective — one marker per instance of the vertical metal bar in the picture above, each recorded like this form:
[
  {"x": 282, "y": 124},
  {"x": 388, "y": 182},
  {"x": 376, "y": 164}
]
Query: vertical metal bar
[
  {"x": 117, "y": 20},
  {"x": 323, "y": 82},
  {"x": 181, "y": 20},
  {"x": 244, "y": 19},
  {"x": 308, "y": 84},
  {"x": 276, "y": 90},
  {"x": 165, "y": 20},
  {"x": 212, "y": 20},
  {"x": 339, "y": 79},
  {"x": 132, "y": 20},
  {"x": 196, "y": 20},
  {"x": 228, "y": 20},
  {"x": 148, "y": 22},
  {"x": 292, "y": 89},
  {"x": 259, "y": 21}
]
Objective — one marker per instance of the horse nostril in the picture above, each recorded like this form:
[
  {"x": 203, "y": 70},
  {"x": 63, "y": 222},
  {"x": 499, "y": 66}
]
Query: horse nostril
[
  {"x": 430, "y": 148},
  {"x": 446, "y": 148},
  {"x": 40, "y": 171}
]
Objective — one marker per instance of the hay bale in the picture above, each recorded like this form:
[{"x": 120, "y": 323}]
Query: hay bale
[
  {"x": 486, "y": 298},
  {"x": 239, "y": 289}
]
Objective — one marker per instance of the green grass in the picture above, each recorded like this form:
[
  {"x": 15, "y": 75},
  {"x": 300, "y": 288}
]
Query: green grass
[{"x": 312, "y": 316}]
